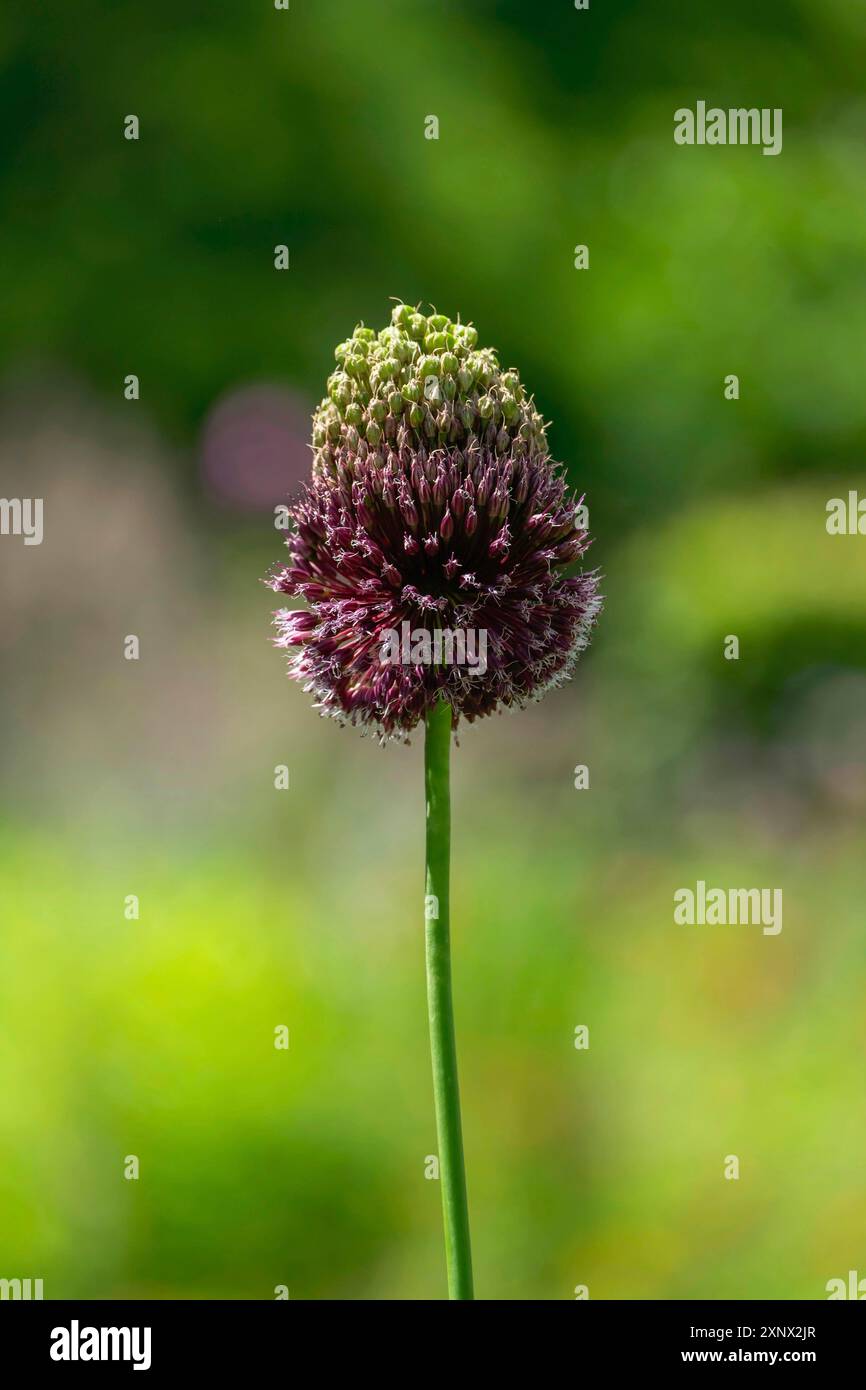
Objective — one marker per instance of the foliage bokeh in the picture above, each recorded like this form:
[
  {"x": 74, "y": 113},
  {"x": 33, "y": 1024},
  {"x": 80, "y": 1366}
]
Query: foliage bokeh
[{"x": 260, "y": 907}]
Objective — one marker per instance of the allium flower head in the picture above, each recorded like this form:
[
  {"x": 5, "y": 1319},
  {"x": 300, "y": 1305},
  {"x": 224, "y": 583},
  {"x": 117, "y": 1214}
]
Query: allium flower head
[{"x": 435, "y": 525}]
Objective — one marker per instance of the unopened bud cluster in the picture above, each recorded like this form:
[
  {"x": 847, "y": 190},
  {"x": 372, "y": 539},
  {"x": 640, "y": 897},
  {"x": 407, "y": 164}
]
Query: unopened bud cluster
[{"x": 422, "y": 382}]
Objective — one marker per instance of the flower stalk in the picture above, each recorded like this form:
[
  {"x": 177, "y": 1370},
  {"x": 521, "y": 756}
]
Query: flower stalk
[{"x": 440, "y": 1006}]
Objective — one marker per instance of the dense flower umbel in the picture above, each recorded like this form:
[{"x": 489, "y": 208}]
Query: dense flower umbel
[{"x": 438, "y": 534}]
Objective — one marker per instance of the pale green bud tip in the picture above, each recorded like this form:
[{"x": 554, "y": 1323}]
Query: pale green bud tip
[{"x": 422, "y": 381}]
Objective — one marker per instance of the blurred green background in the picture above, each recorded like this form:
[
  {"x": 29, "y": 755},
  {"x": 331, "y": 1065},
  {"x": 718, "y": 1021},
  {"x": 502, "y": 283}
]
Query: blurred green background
[{"x": 303, "y": 907}]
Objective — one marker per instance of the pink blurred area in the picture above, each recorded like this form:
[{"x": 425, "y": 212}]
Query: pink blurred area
[{"x": 253, "y": 449}]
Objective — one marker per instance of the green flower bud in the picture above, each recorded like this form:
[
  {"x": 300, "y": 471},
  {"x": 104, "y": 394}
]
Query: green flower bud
[
  {"x": 340, "y": 389},
  {"x": 419, "y": 381}
]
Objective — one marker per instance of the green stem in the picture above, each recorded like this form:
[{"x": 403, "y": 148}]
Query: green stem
[{"x": 440, "y": 1008}]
